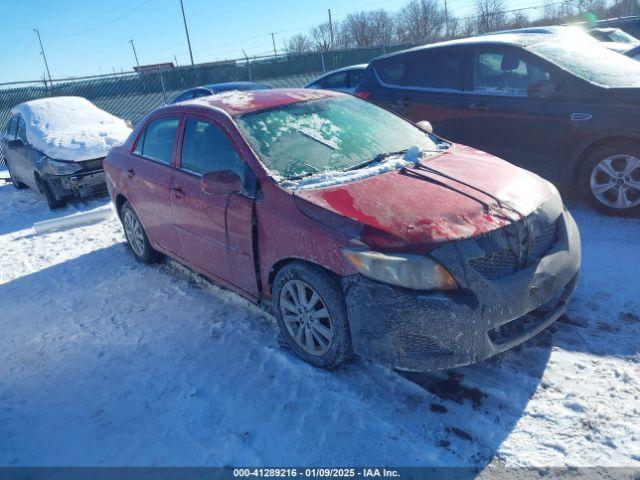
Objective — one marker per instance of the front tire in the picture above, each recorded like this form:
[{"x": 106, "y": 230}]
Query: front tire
[
  {"x": 52, "y": 201},
  {"x": 309, "y": 306},
  {"x": 610, "y": 178},
  {"x": 136, "y": 236}
]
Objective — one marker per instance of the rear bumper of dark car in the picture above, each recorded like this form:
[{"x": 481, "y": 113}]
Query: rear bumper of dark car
[{"x": 423, "y": 331}]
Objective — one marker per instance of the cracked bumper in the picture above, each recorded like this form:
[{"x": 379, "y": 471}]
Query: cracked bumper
[
  {"x": 422, "y": 331},
  {"x": 79, "y": 185}
]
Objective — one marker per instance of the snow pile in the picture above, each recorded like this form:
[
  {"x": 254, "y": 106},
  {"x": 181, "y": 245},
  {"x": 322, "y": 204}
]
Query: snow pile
[
  {"x": 98, "y": 351},
  {"x": 71, "y": 128}
]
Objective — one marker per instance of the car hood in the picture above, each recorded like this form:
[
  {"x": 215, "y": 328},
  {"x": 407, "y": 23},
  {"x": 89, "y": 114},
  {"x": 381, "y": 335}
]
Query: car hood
[{"x": 398, "y": 210}]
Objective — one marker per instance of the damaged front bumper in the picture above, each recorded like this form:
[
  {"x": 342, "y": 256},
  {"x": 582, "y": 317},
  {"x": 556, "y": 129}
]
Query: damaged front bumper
[
  {"x": 494, "y": 310},
  {"x": 79, "y": 185}
]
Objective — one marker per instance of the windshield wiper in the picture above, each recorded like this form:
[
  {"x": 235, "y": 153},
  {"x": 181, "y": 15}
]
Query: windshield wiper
[{"x": 378, "y": 158}]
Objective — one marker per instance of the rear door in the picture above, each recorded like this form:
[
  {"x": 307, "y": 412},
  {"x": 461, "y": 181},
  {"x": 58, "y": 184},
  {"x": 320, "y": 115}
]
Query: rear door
[
  {"x": 433, "y": 89},
  {"x": 215, "y": 230},
  {"x": 149, "y": 180},
  {"x": 517, "y": 110}
]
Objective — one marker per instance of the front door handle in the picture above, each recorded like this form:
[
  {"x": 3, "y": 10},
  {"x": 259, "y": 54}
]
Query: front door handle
[
  {"x": 479, "y": 107},
  {"x": 131, "y": 173}
]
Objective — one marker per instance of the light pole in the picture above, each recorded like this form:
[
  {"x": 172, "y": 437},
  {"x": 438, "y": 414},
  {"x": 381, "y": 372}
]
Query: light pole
[
  {"x": 46, "y": 65},
  {"x": 134, "y": 52},
  {"x": 186, "y": 30}
]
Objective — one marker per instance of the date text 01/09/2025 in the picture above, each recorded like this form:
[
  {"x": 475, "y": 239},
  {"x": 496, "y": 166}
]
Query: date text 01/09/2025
[{"x": 316, "y": 472}]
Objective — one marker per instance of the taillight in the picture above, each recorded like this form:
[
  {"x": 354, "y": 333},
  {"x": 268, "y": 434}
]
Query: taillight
[{"x": 363, "y": 95}]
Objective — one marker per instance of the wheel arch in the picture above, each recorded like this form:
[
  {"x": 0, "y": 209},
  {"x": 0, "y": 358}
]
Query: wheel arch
[
  {"x": 283, "y": 262},
  {"x": 119, "y": 201},
  {"x": 591, "y": 147}
]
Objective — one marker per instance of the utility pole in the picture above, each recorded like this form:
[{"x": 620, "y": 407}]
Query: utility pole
[
  {"x": 273, "y": 39},
  {"x": 330, "y": 28},
  {"x": 134, "y": 52},
  {"x": 186, "y": 29},
  {"x": 446, "y": 17},
  {"x": 176, "y": 60},
  {"x": 46, "y": 65}
]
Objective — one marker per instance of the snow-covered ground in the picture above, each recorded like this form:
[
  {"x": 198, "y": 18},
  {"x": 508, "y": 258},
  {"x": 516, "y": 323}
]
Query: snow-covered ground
[{"x": 104, "y": 361}]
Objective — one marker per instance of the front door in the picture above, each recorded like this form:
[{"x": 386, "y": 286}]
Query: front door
[
  {"x": 150, "y": 181},
  {"x": 215, "y": 230},
  {"x": 516, "y": 111}
]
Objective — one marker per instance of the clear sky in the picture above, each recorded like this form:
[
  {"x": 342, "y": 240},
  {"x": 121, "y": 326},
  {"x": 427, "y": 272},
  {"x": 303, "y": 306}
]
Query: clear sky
[{"x": 85, "y": 37}]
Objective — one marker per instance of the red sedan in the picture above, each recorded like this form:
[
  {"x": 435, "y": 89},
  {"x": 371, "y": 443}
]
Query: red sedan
[{"x": 361, "y": 231}]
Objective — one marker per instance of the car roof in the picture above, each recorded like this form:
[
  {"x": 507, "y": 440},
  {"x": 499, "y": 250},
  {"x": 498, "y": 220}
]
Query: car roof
[
  {"x": 238, "y": 102},
  {"x": 502, "y": 38},
  {"x": 220, "y": 87}
]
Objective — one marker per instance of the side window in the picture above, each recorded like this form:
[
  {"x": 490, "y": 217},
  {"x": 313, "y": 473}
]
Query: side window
[
  {"x": 337, "y": 80},
  {"x": 156, "y": 141},
  {"x": 392, "y": 71},
  {"x": 22, "y": 130},
  {"x": 185, "y": 96},
  {"x": 438, "y": 68},
  {"x": 506, "y": 74},
  {"x": 356, "y": 75},
  {"x": 12, "y": 127},
  {"x": 201, "y": 93},
  {"x": 205, "y": 148}
]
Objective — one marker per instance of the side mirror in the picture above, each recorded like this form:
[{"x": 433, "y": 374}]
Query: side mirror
[
  {"x": 546, "y": 89},
  {"x": 425, "y": 126},
  {"x": 221, "y": 182},
  {"x": 15, "y": 143},
  {"x": 128, "y": 123}
]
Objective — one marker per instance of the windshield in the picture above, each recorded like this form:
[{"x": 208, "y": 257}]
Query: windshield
[
  {"x": 591, "y": 62},
  {"x": 327, "y": 135}
]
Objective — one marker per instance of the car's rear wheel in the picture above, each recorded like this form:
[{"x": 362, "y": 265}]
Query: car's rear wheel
[
  {"x": 311, "y": 312},
  {"x": 14, "y": 181},
  {"x": 610, "y": 178},
  {"x": 136, "y": 236}
]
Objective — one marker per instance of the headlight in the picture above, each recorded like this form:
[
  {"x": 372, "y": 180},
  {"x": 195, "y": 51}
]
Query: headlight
[
  {"x": 409, "y": 271},
  {"x": 56, "y": 167}
]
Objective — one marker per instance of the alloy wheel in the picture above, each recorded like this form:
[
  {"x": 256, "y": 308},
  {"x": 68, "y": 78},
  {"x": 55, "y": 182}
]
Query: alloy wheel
[
  {"x": 134, "y": 233},
  {"x": 306, "y": 317},
  {"x": 615, "y": 181}
]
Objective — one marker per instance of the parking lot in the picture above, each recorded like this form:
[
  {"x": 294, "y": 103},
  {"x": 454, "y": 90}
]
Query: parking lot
[{"x": 104, "y": 361}]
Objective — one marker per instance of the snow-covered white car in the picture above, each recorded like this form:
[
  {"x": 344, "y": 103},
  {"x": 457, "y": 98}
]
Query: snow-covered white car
[{"x": 57, "y": 145}]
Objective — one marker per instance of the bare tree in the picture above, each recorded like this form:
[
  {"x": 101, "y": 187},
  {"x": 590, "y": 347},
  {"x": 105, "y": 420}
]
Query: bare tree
[
  {"x": 490, "y": 16},
  {"x": 321, "y": 37},
  {"x": 360, "y": 28},
  {"x": 299, "y": 43},
  {"x": 421, "y": 21},
  {"x": 518, "y": 20},
  {"x": 384, "y": 25}
]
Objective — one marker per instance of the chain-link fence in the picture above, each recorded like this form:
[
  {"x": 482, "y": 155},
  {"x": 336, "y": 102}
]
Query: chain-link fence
[{"x": 132, "y": 95}]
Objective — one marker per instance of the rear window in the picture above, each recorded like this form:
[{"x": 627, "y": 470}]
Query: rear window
[
  {"x": 156, "y": 142},
  {"x": 12, "y": 127},
  {"x": 436, "y": 68}
]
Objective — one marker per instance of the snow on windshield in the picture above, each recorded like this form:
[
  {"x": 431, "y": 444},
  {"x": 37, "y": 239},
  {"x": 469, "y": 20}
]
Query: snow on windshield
[
  {"x": 321, "y": 137},
  {"x": 71, "y": 128},
  {"x": 591, "y": 62}
]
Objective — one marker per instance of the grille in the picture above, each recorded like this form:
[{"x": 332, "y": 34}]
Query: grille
[{"x": 502, "y": 261}]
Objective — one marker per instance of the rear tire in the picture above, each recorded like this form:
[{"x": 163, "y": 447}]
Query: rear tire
[
  {"x": 610, "y": 178},
  {"x": 136, "y": 236},
  {"x": 309, "y": 306}
]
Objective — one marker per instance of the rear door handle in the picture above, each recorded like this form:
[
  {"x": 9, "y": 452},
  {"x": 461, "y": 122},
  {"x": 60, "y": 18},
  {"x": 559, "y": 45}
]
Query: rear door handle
[
  {"x": 479, "y": 107},
  {"x": 581, "y": 117},
  {"x": 178, "y": 191},
  {"x": 131, "y": 173},
  {"x": 404, "y": 103}
]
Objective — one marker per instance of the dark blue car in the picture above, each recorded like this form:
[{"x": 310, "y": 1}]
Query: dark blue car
[
  {"x": 568, "y": 111},
  {"x": 206, "y": 90}
]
